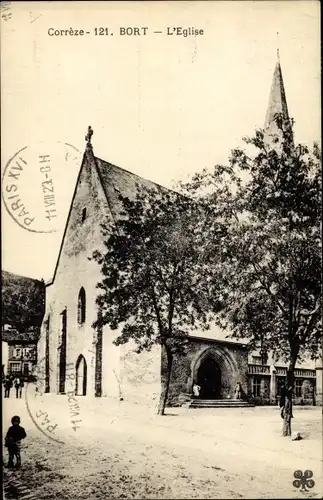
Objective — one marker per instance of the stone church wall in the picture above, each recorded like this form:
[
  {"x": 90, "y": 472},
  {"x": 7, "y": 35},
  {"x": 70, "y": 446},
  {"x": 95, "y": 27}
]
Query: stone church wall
[
  {"x": 74, "y": 271},
  {"x": 231, "y": 358},
  {"x": 110, "y": 365},
  {"x": 140, "y": 375}
]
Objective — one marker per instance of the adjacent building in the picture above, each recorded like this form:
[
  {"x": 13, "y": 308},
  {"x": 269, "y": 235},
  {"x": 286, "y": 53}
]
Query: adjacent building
[
  {"x": 19, "y": 352},
  {"x": 267, "y": 379}
]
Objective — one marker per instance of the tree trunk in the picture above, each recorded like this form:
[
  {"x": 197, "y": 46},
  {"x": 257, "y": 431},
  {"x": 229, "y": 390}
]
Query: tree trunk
[
  {"x": 287, "y": 415},
  {"x": 166, "y": 369},
  {"x": 287, "y": 412}
]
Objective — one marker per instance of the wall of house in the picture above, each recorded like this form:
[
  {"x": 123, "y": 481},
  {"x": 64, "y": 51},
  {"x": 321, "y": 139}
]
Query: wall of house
[
  {"x": 74, "y": 271},
  {"x": 20, "y": 357},
  {"x": 261, "y": 392},
  {"x": 254, "y": 357},
  {"x": 267, "y": 379}
]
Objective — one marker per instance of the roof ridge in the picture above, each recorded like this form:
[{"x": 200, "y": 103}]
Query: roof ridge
[{"x": 131, "y": 173}]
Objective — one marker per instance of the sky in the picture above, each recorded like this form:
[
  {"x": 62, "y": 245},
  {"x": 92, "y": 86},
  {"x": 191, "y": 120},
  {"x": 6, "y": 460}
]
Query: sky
[{"x": 160, "y": 106}]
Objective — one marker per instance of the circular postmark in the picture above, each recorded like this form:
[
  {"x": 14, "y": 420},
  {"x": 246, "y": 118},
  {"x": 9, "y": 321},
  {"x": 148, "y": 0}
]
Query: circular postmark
[
  {"x": 43, "y": 419},
  {"x": 55, "y": 415},
  {"x": 33, "y": 183}
]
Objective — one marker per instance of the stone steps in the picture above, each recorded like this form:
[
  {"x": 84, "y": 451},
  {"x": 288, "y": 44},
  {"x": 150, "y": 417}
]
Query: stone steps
[{"x": 220, "y": 403}]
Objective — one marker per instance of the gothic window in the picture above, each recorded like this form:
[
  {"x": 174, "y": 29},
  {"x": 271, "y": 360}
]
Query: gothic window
[
  {"x": 83, "y": 215},
  {"x": 81, "y": 307}
]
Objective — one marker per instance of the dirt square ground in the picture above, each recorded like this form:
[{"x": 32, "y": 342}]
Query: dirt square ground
[{"x": 102, "y": 449}]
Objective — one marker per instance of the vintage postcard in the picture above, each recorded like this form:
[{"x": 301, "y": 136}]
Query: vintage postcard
[{"x": 161, "y": 250}]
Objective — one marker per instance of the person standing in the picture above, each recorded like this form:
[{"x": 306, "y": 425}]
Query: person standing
[
  {"x": 17, "y": 385},
  {"x": 196, "y": 390},
  {"x": 7, "y": 386},
  {"x": 287, "y": 411},
  {"x": 287, "y": 415},
  {"x": 22, "y": 384},
  {"x": 13, "y": 441},
  {"x": 283, "y": 394},
  {"x": 238, "y": 391}
]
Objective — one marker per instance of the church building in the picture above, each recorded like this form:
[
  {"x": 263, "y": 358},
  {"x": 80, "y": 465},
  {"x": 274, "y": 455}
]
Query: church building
[{"x": 78, "y": 358}]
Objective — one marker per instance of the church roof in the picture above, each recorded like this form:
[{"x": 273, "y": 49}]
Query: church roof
[
  {"x": 277, "y": 103},
  {"x": 277, "y": 99},
  {"x": 116, "y": 180}
]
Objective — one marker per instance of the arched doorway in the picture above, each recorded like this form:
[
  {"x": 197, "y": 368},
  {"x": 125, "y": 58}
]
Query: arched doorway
[
  {"x": 209, "y": 379},
  {"x": 81, "y": 376}
]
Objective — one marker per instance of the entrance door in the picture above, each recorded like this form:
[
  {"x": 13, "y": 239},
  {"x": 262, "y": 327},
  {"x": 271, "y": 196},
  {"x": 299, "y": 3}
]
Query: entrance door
[
  {"x": 209, "y": 379},
  {"x": 81, "y": 376}
]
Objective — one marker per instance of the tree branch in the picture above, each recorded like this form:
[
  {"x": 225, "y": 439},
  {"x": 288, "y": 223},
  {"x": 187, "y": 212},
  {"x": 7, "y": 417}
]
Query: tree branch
[
  {"x": 314, "y": 311},
  {"x": 267, "y": 289}
]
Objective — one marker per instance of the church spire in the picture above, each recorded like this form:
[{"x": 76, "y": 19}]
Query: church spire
[{"x": 277, "y": 105}]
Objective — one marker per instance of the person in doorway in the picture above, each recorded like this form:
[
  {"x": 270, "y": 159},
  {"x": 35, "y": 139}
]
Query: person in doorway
[
  {"x": 238, "y": 391},
  {"x": 13, "y": 441},
  {"x": 196, "y": 390}
]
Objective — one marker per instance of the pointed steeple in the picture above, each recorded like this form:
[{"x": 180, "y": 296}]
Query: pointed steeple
[{"x": 277, "y": 106}]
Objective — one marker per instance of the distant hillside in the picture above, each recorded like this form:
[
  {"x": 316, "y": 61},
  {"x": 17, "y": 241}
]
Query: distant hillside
[{"x": 23, "y": 301}]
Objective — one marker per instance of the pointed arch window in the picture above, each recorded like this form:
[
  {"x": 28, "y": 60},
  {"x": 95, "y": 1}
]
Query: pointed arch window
[
  {"x": 83, "y": 214},
  {"x": 81, "y": 307}
]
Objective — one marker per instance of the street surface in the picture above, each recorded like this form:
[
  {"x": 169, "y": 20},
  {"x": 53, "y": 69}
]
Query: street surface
[{"x": 100, "y": 449}]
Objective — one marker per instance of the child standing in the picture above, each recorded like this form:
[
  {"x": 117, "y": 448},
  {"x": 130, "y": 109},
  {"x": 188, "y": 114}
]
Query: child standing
[{"x": 13, "y": 441}]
